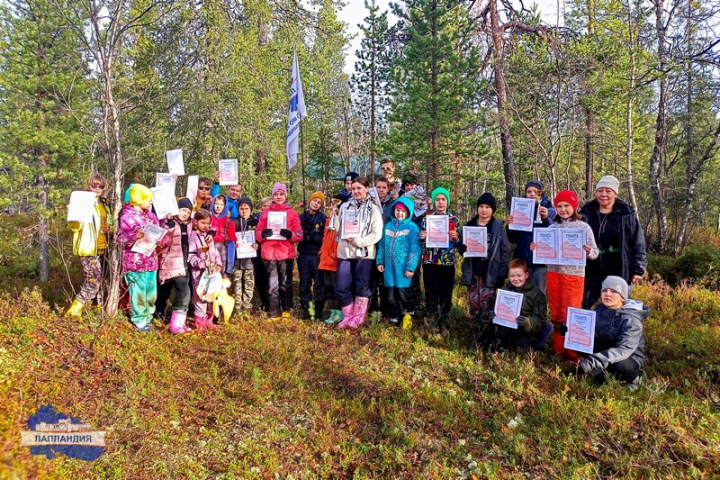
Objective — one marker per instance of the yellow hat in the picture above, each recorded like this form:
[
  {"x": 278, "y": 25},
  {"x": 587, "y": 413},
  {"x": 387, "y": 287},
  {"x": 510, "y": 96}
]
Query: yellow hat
[
  {"x": 319, "y": 195},
  {"x": 140, "y": 194}
]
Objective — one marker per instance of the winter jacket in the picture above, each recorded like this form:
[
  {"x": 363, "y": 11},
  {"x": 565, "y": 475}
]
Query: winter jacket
[
  {"x": 522, "y": 240},
  {"x": 313, "y": 227},
  {"x": 618, "y": 336},
  {"x": 224, "y": 234},
  {"x": 442, "y": 256},
  {"x": 534, "y": 305},
  {"x": 386, "y": 208},
  {"x": 132, "y": 221},
  {"x": 242, "y": 225},
  {"x": 279, "y": 249},
  {"x": 88, "y": 240},
  {"x": 498, "y": 256},
  {"x": 621, "y": 223},
  {"x": 328, "y": 250},
  {"x": 231, "y": 204},
  {"x": 371, "y": 230},
  {"x": 399, "y": 250},
  {"x": 196, "y": 255},
  {"x": 575, "y": 270},
  {"x": 173, "y": 261}
]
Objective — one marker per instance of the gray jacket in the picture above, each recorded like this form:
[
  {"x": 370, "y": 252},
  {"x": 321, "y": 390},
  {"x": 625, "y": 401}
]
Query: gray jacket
[
  {"x": 498, "y": 256},
  {"x": 618, "y": 336}
]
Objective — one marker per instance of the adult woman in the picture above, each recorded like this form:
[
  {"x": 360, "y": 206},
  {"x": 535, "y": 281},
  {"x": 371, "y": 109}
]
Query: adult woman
[
  {"x": 359, "y": 225},
  {"x": 619, "y": 237}
]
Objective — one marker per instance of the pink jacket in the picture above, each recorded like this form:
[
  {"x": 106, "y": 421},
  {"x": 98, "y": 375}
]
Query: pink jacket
[
  {"x": 196, "y": 256},
  {"x": 131, "y": 222},
  {"x": 279, "y": 249},
  {"x": 172, "y": 262}
]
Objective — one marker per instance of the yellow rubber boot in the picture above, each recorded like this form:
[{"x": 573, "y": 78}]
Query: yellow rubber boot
[
  {"x": 407, "y": 322},
  {"x": 75, "y": 309}
]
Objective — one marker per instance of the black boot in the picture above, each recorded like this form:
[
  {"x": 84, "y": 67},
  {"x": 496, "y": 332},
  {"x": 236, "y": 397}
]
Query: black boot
[
  {"x": 305, "y": 311},
  {"x": 319, "y": 307}
]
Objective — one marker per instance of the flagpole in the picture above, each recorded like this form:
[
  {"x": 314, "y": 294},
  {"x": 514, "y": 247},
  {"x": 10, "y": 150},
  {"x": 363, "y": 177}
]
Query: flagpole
[{"x": 302, "y": 159}]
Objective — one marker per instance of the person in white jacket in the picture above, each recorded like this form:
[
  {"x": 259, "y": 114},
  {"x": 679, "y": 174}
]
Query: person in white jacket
[{"x": 359, "y": 225}]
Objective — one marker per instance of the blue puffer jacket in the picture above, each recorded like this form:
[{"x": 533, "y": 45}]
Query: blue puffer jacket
[{"x": 399, "y": 250}]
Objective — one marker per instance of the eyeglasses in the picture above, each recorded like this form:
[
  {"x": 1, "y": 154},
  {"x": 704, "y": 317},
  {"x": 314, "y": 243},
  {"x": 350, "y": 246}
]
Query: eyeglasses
[
  {"x": 203, "y": 188},
  {"x": 96, "y": 186}
]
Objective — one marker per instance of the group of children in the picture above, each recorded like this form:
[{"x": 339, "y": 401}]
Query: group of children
[{"x": 199, "y": 242}]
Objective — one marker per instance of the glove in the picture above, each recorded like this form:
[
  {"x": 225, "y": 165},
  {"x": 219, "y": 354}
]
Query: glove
[
  {"x": 286, "y": 233},
  {"x": 560, "y": 328},
  {"x": 267, "y": 233},
  {"x": 584, "y": 367},
  {"x": 521, "y": 321},
  {"x": 170, "y": 223}
]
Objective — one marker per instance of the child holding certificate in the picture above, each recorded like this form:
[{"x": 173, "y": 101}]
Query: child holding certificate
[
  {"x": 223, "y": 231},
  {"x": 140, "y": 269},
  {"x": 90, "y": 241},
  {"x": 619, "y": 342},
  {"x": 565, "y": 283},
  {"x": 202, "y": 257},
  {"x": 312, "y": 222},
  {"x": 398, "y": 257},
  {"x": 484, "y": 275},
  {"x": 278, "y": 250},
  {"x": 439, "y": 265},
  {"x": 533, "y": 329},
  {"x": 244, "y": 274}
]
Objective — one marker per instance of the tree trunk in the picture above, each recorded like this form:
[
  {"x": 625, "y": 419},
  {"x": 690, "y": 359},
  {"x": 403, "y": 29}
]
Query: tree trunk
[
  {"x": 501, "y": 90},
  {"x": 629, "y": 126},
  {"x": 590, "y": 117}
]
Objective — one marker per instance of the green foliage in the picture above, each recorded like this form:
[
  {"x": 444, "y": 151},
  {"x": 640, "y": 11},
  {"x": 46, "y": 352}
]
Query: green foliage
[{"x": 697, "y": 264}]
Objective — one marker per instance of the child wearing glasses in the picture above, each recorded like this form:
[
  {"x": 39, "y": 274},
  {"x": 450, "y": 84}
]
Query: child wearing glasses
[{"x": 90, "y": 242}]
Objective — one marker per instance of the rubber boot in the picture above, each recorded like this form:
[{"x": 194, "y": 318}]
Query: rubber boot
[
  {"x": 348, "y": 313},
  {"x": 407, "y": 322},
  {"x": 177, "y": 322},
  {"x": 200, "y": 323},
  {"x": 209, "y": 322},
  {"x": 319, "y": 307},
  {"x": 306, "y": 315},
  {"x": 75, "y": 309},
  {"x": 361, "y": 307},
  {"x": 336, "y": 316}
]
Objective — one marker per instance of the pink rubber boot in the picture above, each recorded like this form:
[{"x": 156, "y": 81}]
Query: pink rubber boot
[
  {"x": 209, "y": 322},
  {"x": 348, "y": 316},
  {"x": 361, "y": 306},
  {"x": 177, "y": 322},
  {"x": 200, "y": 323}
]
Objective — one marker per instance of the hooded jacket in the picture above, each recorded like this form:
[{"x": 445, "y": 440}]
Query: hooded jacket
[
  {"x": 279, "y": 249},
  {"x": 618, "y": 336},
  {"x": 222, "y": 224},
  {"x": 621, "y": 220},
  {"x": 498, "y": 256},
  {"x": 534, "y": 305},
  {"x": 173, "y": 261},
  {"x": 399, "y": 250},
  {"x": 230, "y": 203},
  {"x": 371, "y": 229},
  {"x": 328, "y": 250},
  {"x": 198, "y": 252},
  {"x": 131, "y": 222}
]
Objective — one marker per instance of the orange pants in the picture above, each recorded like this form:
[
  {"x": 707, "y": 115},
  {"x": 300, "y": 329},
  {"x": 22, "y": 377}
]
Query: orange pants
[{"x": 563, "y": 291}]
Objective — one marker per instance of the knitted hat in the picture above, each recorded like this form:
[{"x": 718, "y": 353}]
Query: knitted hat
[
  {"x": 566, "y": 196},
  {"x": 440, "y": 191},
  {"x": 487, "y": 199},
  {"x": 616, "y": 283},
  {"x": 140, "y": 194},
  {"x": 608, "y": 181},
  {"x": 351, "y": 176},
  {"x": 126, "y": 195},
  {"x": 185, "y": 203},
  {"x": 279, "y": 186},
  {"x": 244, "y": 201},
  {"x": 534, "y": 183},
  {"x": 317, "y": 194}
]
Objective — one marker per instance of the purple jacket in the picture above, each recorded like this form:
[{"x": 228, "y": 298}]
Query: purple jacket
[
  {"x": 196, "y": 256},
  {"x": 131, "y": 222},
  {"x": 172, "y": 260}
]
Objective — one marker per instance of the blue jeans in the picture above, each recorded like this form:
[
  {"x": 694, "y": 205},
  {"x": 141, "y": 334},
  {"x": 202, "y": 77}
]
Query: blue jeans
[{"x": 353, "y": 280}]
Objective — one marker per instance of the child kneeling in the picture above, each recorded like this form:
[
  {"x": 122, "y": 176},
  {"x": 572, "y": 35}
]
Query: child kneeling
[{"x": 533, "y": 329}]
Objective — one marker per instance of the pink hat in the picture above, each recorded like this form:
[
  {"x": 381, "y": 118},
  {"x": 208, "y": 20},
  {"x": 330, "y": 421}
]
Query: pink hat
[
  {"x": 401, "y": 206},
  {"x": 279, "y": 186}
]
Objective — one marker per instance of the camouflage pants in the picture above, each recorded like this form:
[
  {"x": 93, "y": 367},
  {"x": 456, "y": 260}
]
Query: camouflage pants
[
  {"x": 244, "y": 284},
  {"x": 482, "y": 305},
  {"x": 92, "y": 270}
]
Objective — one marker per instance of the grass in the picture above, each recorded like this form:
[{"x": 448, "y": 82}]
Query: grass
[{"x": 295, "y": 399}]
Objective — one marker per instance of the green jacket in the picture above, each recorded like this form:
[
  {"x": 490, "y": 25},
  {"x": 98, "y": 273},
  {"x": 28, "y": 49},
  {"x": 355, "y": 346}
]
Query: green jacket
[{"x": 534, "y": 306}]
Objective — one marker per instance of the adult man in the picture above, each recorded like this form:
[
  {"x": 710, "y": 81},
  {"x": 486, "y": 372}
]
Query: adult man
[{"x": 233, "y": 195}]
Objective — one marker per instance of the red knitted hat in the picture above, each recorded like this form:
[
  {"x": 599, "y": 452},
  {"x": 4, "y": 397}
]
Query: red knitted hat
[{"x": 566, "y": 196}]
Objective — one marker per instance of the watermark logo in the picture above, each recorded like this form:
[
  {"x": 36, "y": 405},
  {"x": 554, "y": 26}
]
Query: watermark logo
[{"x": 51, "y": 432}]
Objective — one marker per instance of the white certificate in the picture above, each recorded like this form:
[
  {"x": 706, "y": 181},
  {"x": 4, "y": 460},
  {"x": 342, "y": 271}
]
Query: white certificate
[
  {"x": 507, "y": 308},
  {"x": 276, "y": 222},
  {"x": 228, "y": 171},
  {"x": 571, "y": 242},
  {"x": 350, "y": 224},
  {"x": 580, "y": 334},
  {"x": 146, "y": 245},
  {"x": 375, "y": 197},
  {"x": 243, "y": 248},
  {"x": 175, "y": 162},
  {"x": 522, "y": 211},
  {"x": 437, "y": 228},
  {"x": 475, "y": 241},
  {"x": 546, "y": 246},
  {"x": 164, "y": 201},
  {"x": 192, "y": 187},
  {"x": 162, "y": 179},
  {"x": 82, "y": 206}
]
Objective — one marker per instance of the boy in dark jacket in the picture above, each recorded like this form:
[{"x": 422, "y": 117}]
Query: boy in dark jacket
[
  {"x": 619, "y": 342},
  {"x": 312, "y": 222},
  {"x": 244, "y": 273},
  {"x": 533, "y": 327},
  {"x": 483, "y": 276}
]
